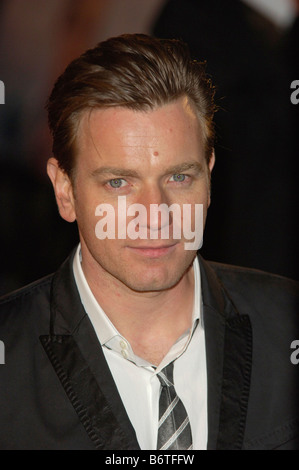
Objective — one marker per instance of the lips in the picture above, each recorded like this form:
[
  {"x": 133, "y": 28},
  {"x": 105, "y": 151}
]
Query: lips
[{"x": 151, "y": 251}]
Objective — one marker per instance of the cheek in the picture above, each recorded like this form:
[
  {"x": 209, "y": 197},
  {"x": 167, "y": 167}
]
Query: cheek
[
  {"x": 85, "y": 214},
  {"x": 86, "y": 201},
  {"x": 195, "y": 213},
  {"x": 86, "y": 218}
]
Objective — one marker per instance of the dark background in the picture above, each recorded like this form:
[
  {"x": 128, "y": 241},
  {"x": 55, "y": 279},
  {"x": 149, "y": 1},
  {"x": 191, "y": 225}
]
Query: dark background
[{"x": 252, "y": 60}]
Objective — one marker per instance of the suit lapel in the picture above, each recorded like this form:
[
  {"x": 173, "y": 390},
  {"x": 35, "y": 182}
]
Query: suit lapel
[
  {"x": 228, "y": 350},
  {"x": 236, "y": 383},
  {"x": 78, "y": 360}
]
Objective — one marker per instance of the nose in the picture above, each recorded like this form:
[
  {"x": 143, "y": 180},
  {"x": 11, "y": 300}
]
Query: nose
[{"x": 156, "y": 203}]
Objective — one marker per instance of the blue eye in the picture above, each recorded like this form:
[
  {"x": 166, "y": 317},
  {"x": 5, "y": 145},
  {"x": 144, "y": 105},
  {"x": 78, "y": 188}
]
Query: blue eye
[
  {"x": 178, "y": 178},
  {"x": 117, "y": 183}
]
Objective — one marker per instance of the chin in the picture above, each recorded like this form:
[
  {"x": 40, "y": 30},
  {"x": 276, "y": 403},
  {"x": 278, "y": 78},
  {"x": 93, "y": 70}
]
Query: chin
[
  {"x": 153, "y": 282},
  {"x": 151, "y": 286}
]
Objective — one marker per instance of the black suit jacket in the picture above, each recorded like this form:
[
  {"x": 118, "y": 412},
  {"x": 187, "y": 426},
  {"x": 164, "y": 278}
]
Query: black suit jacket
[{"x": 57, "y": 392}]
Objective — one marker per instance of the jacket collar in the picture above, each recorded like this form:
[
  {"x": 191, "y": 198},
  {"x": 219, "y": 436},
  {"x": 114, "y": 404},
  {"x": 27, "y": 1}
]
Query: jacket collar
[{"x": 77, "y": 357}]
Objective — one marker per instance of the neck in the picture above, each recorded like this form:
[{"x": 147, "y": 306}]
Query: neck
[{"x": 150, "y": 321}]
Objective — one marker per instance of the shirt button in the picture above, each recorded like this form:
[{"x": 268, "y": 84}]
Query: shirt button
[
  {"x": 123, "y": 344},
  {"x": 124, "y": 354}
]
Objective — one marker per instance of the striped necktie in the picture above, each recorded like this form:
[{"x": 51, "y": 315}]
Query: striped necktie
[{"x": 174, "y": 431}]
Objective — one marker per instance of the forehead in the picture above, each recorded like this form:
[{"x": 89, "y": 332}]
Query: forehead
[{"x": 120, "y": 133}]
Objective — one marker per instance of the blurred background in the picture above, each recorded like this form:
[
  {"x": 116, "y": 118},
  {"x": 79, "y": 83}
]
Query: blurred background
[{"x": 252, "y": 53}]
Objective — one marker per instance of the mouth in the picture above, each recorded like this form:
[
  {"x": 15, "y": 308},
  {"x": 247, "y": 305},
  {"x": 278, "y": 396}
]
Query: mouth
[{"x": 153, "y": 251}]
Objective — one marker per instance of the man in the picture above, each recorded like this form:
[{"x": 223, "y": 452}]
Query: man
[{"x": 135, "y": 342}]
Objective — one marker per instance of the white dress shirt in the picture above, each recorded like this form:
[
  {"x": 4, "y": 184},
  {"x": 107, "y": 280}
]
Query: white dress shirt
[{"x": 136, "y": 378}]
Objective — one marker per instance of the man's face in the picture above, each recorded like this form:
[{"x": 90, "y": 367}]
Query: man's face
[{"x": 149, "y": 157}]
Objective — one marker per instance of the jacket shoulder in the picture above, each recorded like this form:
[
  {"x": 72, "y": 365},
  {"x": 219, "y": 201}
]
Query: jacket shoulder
[
  {"x": 32, "y": 298},
  {"x": 272, "y": 304},
  {"x": 254, "y": 284}
]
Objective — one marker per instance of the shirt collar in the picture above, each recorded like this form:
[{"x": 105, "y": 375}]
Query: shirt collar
[
  {"x": 104, "y": 328},
  {"x": 110, "y": 337}
]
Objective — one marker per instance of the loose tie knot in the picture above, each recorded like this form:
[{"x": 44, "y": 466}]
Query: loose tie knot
[{"x": 166, "y": 376}]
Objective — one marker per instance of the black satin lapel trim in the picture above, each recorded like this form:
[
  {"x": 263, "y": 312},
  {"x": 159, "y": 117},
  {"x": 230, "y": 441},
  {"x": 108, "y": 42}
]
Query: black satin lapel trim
[
  {"x": 236, "y": 383},
  {"x": 84, "y": 393},
  {"x": 214, "y": 325}
]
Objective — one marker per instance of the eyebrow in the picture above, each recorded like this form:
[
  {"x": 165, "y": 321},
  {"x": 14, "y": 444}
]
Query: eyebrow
[
  {"x": 186, "y": 166},
  {"x": 114, "y": 171}
]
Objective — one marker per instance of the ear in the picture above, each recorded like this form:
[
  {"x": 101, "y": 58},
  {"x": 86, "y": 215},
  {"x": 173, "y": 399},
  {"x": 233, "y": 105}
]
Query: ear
[
  {"x": 211, "y": 166},
  {"x": 63, "y": 190},
  {"x": 212, "y": 161}
]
